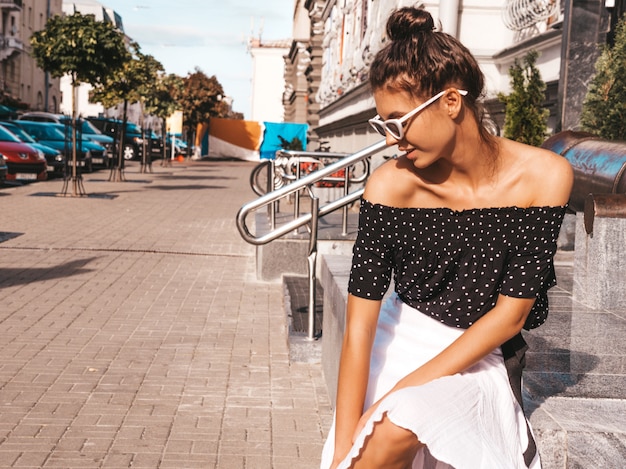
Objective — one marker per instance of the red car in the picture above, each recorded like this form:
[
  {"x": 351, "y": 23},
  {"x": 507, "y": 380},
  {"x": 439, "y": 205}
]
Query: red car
[{"x": 24, "y": 163}]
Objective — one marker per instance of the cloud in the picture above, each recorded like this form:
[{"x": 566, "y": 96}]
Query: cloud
[{"x": 185, "y": 37}]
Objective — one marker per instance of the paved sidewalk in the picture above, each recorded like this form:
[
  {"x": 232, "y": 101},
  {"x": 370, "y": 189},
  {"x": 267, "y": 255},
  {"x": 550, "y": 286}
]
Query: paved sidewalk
[{"x": 133, "y": 331}]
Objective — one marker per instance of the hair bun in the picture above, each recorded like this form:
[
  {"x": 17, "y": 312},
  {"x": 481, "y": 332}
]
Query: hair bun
[{"x": 408, "y": 22}]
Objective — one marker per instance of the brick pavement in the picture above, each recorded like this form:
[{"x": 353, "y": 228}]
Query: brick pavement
[{"x": 133, "y": 331}]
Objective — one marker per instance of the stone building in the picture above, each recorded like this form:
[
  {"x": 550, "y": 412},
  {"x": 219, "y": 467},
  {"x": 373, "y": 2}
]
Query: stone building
[
  {"x": 326, "y": 69},
  {"x": 22, "y": 82},
  {"x": 268, "y": 79}
]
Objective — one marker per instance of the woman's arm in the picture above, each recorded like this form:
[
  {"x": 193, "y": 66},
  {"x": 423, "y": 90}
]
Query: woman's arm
[
  {"x": 501, "y": 323},
  {"x": 358, "y": 338}
]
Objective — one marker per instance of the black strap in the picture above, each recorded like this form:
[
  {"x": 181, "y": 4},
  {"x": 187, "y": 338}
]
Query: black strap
[{"x": 514, "y": 354}]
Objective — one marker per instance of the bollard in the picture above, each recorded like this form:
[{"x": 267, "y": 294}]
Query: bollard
[{"x": 599, "y": 260}]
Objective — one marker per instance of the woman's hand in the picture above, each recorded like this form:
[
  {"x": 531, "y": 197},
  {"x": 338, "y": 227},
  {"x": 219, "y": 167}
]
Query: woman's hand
[{"x": 360, "y": 425}]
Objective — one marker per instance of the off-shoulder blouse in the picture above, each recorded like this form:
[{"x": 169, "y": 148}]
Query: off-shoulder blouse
[{"x": 452, "y": 265}]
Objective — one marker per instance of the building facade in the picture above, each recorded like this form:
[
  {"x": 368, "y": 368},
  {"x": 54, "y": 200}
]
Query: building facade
[
  {"x": 332, "y": 94},
  {"x": 268, "y": 79},
  {"x": 23, "y": 84}
]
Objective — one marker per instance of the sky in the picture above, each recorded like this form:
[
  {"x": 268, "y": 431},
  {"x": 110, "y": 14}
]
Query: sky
[{"x": 209, "y": 34}]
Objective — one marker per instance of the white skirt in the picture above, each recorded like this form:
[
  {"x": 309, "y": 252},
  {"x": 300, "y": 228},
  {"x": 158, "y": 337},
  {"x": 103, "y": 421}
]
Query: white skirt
[{"x": 470, "y": 420}]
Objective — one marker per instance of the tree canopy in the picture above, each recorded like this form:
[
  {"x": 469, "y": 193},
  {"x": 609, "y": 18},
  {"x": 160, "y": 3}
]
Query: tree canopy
[
  {"x": 126, "y": 85},
  {"x": 78, "y": 45},
  {"x": 604, "y": 108},
  {"x": 201, "y": 98},
  {"x": 161, "y": 99},
  {"x": 525, "y": 119},
  {"x": 131, "y": 81},
  {"x": 87, "y": 50}
]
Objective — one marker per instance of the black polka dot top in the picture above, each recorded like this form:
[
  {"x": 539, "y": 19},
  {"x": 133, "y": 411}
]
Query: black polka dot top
[{"x": 452, "y": 264}]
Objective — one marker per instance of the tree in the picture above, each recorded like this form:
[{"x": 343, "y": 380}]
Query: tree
[
  {"x": 201, "y": 99},
  {"x": 87, "y": 50},
  {"x": 525, "y": 119},
  {"x": 126, "y": 85},
  {"x": 161, "y": 101},
  {"x": 152, "y": 69},
  {"x": 604, "y": 108}
]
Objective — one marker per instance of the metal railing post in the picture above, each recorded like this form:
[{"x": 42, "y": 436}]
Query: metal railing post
[
  {"x": 346, "y": 191},
  {"x": 271, "y": 171},
  {"x": 312, "y": 262},
  {"x": 296, "y": 195}
]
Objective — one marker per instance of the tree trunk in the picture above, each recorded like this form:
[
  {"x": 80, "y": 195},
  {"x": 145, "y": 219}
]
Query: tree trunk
[
  {"x": 165, "y": 161},
  {"x": 75, "y": 178},
  {"x": 117, "y": 173},
  {"x": 146, "y": 159}
]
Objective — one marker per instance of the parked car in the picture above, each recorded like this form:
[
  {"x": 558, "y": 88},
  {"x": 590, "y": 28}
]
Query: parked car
[
  {"x": 100, "y": 157},
  {"x": 156, "y": 143},
  {"x": 52, "y": 135},
  {"x": 133, "y": 138},
  {"x": 54, "y": 158},
  {"x": 86, "y": 130},
  {"x": 4, "y": 169},
  {"x": 24, "y": 163}
]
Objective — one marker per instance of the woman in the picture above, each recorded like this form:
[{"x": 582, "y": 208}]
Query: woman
[{"x": 467, "y": 222}]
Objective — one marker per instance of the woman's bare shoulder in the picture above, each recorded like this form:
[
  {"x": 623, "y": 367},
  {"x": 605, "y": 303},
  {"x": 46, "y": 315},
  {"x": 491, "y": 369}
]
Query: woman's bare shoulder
[
  {"x": 550, "y": 175},
  {"x": 392, "y": 183}
]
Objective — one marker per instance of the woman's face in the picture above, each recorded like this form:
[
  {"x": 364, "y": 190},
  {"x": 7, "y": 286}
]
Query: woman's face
[{"x": 426, "y": 132}]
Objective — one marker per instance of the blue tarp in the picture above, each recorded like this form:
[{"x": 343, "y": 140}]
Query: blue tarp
[{"x": 287, "y": 130}]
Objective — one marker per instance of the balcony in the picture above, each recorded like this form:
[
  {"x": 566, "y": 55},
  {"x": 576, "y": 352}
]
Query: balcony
[
  {"x": 11, "y": 4},
  {"x": 9, "y": 46}
]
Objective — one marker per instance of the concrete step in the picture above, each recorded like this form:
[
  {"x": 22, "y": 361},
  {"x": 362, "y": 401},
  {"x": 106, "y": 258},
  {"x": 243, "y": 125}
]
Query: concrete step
[{"x": 288, "y": 254}]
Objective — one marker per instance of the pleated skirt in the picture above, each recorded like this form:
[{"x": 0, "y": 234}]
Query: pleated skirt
[{"x": 470, "y": 420}]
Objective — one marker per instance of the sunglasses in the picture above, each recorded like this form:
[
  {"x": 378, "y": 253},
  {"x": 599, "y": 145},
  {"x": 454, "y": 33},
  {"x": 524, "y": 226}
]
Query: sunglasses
[{"x": 395, "y": 127}]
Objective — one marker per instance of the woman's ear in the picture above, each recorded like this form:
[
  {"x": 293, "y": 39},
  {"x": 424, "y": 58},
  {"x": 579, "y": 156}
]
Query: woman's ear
[{"x": 454, "y": 102}]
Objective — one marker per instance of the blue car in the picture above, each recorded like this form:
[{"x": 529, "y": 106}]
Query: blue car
[
  {"x": 53, "y": 135},
  {"x": 86, "y": 128}
]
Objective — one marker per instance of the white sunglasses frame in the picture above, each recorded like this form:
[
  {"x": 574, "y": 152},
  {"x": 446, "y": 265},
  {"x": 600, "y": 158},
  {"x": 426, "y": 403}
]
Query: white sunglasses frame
[{"x": 379, "y": 124}]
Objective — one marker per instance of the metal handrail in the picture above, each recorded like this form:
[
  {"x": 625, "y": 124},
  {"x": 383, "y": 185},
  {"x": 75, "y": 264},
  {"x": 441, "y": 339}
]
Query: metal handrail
[
  {"x": 316, "y": 212},
  {"x": 298, "y": 185}
]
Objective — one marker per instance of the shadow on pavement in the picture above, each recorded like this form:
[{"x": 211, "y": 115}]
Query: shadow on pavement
[
  {"x": 198, "y": 178},
  {"x": 185, "y": 187},
  {"x": 20, "y": 276}
]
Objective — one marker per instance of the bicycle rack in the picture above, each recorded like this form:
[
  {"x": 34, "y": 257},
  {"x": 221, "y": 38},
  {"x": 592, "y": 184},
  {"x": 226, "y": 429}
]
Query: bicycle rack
[{"x": 312, "y": 218}]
